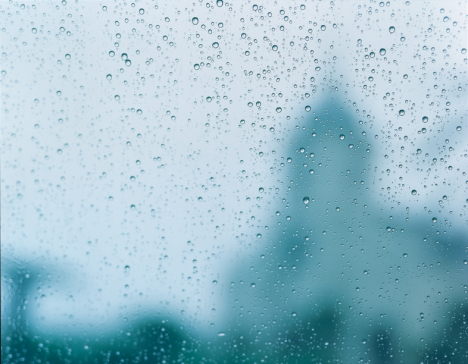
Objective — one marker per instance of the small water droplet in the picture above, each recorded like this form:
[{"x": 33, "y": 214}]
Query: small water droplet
[
  {"x": 109, "y": 77},
  {"x": 311, "y": 171},
  {"x": 278, "y": 109},
  {"x": 459, "y": 128},
  {"x": 142, "y": 11},
  {"x": 112, "y": 53},
  {"x": 306, "y": 200},
  {"x": 401, "y": 112},
  {"x": 194, "y": 20},
  {"x": 117, "y": 97},
  {"x": 414, "y": 192},
  {"x": 405, "y": 255},
  {"x": 391, "y": 29},
  {"x": 434, "y": 220},
  {"x": 382, "y": 52},
  {"x": 351, "y": 146},
  {"x": 215, "y": 45},
  {"x": 425, "y": 119},
  {"x": 307, "y": 108},
  {"x": 275, "y": 47},
  {"x": 221, "y": 333},
  {"x": 259, "y": 236},
  {"x": 196, "y": 66},
  {"x": 342, "y": 137},
  {"x": 323, "y": 28}
]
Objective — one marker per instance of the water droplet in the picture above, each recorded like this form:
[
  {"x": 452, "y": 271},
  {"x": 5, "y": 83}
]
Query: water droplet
[
  {"x": 459, "y": 128},
  {"x": 278, "y": 109},
  {"x": 259, "y": 236},
  {"x": 221, "y": 333},
  {"x": 425, "y": 119},
  {"x": 139, "y": 112},
  {"x": 302, "y": 7},
  {"x": 219, "y": 3},
  {"x": 252, "y": 285},
  {"x": 200, "y": 199},
  {"x": 372, "y": 55},
  {"x": 463, "y": 50},
  {"x": 317, "y": 68},
  {"x": 243, "y": 35},
  {"x": 465, "y": 262},
  {"x": 405, "y": 255},
  {"x": 342, "y": 137},
  {"x": 112, "y": 53},
  {"x": 261, "y": 189},
  {"x": 275, "y": 47},
  {"x": 34, "y": 30},
  {"x": 109, "y": 77},
  {"x": 434, "y": 220},
  {"x": 104, "y": 8},
  {"x": 117, "y": 97},
  {"x": 401, "y": 112},
  {"x": 391, "y": 29},
  {"x": 247, "y": 53},
  {"x": 194, "y": 20},
  {"x": 215, "y": 45},
  {"x": 196, "y": 66},
  {"x": 382, "y": 52},
  {"x": 311, "y": 171},
  {"x": 128, "y": 63},
  {"x": 167, "y": 19},
  {"x": 323, "y": 28},
  {"x": 414, "y": 192},
  {"x": 351, "y": 146},
  {"x": 142, "y": 11},
  {"x": 306, "y": 200},
  {"x": 293, "y": 314},
  {"x": 258, "y": 104},
  {"x": 272, "y": 129}
]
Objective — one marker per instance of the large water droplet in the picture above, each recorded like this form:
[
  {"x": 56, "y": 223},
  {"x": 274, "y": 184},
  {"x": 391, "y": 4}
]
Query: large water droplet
[
  {"x": 391, "y": 29},
  {"x": 401, "y": 112},
  {"x": 306, "y": 200},
  {"x": 219, "y": 3},
  {"x": 195, "y": 21},
  {"x": 278, "y": 109},
  {"x": 382, "y": 52}
]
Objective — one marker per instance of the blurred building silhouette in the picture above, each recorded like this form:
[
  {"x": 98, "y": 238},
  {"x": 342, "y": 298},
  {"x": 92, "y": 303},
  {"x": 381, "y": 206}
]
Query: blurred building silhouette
[{"x": 335, "y": 278}]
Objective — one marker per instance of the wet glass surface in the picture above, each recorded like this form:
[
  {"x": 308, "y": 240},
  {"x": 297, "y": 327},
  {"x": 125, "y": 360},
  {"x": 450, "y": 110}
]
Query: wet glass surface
[{"x": 217, "y": 182}]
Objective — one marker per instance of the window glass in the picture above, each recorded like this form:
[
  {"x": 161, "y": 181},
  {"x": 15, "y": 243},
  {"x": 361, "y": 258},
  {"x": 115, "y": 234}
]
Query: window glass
[{"x": 234, "y": 182}]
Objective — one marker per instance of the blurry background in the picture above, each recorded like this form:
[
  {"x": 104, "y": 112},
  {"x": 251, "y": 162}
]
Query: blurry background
[{"x": 226, "y": 182}]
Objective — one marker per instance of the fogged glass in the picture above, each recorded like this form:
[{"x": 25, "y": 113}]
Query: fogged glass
[{"x": 217, "y": 182}]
